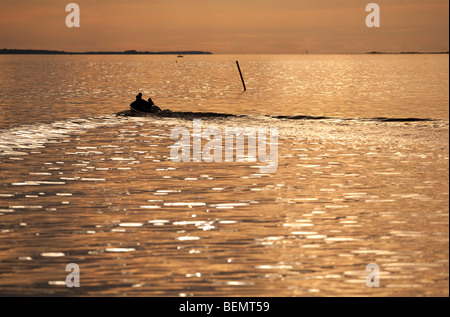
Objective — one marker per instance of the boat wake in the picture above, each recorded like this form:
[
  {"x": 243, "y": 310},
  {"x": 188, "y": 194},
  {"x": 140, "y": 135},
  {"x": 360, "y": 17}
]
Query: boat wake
[
  {"x": 18, "y": 141},
  {"x": 22, "y": 140},
  {"x": 205, "y": 115}
]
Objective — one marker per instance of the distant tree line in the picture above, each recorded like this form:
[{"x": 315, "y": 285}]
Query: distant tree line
[
  {"x": 129, "y": 52},
  {"x": 374, "y": 52}
]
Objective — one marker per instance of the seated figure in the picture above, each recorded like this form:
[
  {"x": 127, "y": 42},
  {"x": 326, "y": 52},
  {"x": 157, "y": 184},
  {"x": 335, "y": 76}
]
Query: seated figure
[
  {"x": 140, "y": 104},
  {"x": 153, "y": 108}
]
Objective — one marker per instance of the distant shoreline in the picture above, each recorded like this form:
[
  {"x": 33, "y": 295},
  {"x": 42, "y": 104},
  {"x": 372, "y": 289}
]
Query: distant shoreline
[
  {"x": 406, "y": 53},
  {"x": 134, "y": 52},
  {"x": 129, "y": 52}
]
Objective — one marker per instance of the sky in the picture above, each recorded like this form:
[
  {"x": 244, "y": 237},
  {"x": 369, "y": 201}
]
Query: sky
[{"x": 226, "y": 26}]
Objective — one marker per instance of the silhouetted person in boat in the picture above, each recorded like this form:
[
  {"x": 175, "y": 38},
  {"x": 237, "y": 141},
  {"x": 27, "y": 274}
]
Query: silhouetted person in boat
[
  {"x": 153, "y": 108},
  {"x": 140, "y": 104},
  {"x": 139, "y": 97}
]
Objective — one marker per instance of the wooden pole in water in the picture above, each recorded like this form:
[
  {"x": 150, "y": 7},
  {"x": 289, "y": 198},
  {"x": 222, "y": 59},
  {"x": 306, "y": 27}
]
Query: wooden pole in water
[{"x": 240, "y": 73}]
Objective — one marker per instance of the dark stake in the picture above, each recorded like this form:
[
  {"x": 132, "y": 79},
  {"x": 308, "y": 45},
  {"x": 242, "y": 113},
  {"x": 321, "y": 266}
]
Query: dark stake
[{"x": 240, "y": 73}]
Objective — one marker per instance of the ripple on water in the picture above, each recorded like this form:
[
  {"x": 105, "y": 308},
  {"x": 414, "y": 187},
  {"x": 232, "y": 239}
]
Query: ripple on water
[
  {"x": 120, "y": 250},
  {"x": 187, "y": 204},
  {"x": 57, "y": 283},
  {"x": 36, "y": 136},
  {"x": 130, "y": 224},
  {"x": 158, "y": 222},
  {"x": 188, "y": 238},
  {"x": 53, "y": 254},
  {"x": 274, "y": 267}
]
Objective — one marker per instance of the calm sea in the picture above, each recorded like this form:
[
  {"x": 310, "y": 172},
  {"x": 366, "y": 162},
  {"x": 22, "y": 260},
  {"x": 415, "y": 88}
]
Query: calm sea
[
  {"x": 50, "y": 88},
  {"x": 80, "y": 185}
]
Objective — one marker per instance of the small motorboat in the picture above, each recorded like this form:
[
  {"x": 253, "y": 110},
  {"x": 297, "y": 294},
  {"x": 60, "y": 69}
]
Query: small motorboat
[{"x": 143, "y": 106}]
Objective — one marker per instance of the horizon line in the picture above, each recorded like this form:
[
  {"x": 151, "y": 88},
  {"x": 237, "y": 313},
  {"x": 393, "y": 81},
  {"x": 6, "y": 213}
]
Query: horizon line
[
  {"x": 126, "y": 52},
  {"x": 16, "y": 51}
]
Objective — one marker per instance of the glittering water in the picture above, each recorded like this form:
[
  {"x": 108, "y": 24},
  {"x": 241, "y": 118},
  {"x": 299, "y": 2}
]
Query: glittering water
[{"x": 79, "y": 185}]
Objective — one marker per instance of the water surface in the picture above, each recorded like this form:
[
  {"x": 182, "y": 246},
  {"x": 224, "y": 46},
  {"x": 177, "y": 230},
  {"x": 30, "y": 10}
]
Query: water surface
[{"x": 80, "y": 185}]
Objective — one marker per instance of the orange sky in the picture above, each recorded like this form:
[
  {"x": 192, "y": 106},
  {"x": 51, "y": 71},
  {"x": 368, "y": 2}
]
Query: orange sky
[{"x": 227, "y": 26}]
